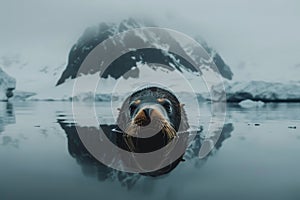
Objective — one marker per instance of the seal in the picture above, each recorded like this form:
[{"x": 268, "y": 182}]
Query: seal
[{"x": 150, "y": 118}]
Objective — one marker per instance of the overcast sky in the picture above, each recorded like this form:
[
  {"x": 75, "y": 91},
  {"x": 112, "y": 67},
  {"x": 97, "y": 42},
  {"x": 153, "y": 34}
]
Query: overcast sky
[{"x": 260, "y": 40}]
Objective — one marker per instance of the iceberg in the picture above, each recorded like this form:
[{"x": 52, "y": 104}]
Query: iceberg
[
  {"x": 7, "y": 85},
  {"x": 260, "y": 91},
  {"x": 250, "y": 104}
]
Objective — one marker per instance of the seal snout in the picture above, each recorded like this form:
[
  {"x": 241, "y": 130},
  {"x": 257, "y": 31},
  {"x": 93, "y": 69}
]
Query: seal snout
[
  {"x": 143, "y": 117},
  {"x": 149, "y": 115}
]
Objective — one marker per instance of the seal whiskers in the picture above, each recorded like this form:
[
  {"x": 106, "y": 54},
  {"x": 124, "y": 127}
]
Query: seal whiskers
[{"x": 150, "y": 119}]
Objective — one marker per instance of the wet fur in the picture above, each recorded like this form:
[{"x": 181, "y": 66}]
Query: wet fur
[{"x": 177, "y": 121}]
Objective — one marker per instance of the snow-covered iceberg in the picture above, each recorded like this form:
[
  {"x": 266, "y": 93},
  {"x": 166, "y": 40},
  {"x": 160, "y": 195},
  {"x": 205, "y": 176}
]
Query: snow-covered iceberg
[
  {"x": 7, "y": 85},
  {"x": 260, "y": 91},
  {"x": 250, "y": 104}
]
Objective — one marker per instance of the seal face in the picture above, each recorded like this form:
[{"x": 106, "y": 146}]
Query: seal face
[{"x": 150, "y": 118}]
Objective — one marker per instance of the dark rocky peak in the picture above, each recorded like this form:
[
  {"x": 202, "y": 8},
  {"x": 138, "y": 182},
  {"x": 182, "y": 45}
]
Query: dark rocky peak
[{"x": 93, "y": 36}]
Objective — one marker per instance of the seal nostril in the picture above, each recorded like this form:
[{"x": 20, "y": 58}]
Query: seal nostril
[
  {"x": 147, "y": 112},
  {"x": 143, "y": 118}
]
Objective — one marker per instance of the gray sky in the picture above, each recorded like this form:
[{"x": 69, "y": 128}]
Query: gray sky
[{"x": 259, "y": 39}]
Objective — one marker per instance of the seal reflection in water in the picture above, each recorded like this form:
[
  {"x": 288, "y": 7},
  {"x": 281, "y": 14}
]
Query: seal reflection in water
[{"x": 150, "y": 118}]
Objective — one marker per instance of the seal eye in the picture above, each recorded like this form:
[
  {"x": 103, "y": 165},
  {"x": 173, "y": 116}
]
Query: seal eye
[
  {"x": 132, "y": 108},
  {"x": 167, "y": 105}
]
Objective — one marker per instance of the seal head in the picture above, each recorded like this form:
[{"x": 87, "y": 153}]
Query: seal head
[{"x": 150, "y": 118}]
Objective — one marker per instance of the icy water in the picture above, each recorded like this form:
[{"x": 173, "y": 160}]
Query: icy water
[{"x": 257, "y": 157}]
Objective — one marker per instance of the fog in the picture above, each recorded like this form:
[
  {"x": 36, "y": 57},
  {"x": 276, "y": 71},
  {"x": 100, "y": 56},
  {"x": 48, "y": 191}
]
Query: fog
[{"x": 259, "y": 40}]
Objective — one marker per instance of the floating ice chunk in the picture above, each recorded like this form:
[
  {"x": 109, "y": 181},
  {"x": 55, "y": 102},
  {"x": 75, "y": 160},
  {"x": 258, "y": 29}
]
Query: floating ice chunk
[{"x": 250, "y": 104}]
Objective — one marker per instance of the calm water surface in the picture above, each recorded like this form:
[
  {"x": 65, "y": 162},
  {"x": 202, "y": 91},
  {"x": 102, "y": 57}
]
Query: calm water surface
[{"x": 257, "y": 157}]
